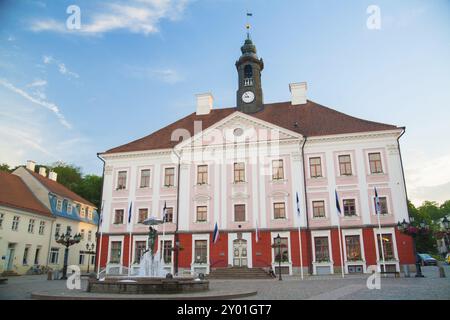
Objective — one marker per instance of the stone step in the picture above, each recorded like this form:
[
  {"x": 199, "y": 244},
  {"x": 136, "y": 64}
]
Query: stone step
[
  {"x": 238, "y": 273},
  {"x": 9, "y": 274}
]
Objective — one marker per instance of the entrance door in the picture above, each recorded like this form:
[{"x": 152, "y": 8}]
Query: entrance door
[
  {"x": 240, "y": 253},
  {"x": 10, "y": 257}
]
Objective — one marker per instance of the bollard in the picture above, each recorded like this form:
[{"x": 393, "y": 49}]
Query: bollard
[
  {"x": 441, "y": 272},
  {"x": 49, "y": 275}
]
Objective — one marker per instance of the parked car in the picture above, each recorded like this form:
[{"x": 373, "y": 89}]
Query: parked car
[
  {"x": 447, "y": 258},
  {"x": 426, "y": 260}
]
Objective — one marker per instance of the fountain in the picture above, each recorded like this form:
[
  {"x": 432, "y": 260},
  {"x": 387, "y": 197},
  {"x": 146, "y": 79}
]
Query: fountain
[{"x": 151, "y": 278}]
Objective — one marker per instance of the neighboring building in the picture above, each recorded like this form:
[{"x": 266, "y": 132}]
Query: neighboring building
[
  {"x": 443, "y": 244},
  {"x": 242, "y": 169},
  {"x": 25, "y": 227},
  {"x": 67, "y": 210}
]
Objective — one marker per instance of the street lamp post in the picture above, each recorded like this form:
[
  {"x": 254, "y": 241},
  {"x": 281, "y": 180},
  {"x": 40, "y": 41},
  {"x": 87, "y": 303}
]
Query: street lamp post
[
  {"x": 90, "y": 251},
  {"x": 408, "y": 228},
  {"x": 278, "y": 244},
  {"x": 67, "y": 240}
]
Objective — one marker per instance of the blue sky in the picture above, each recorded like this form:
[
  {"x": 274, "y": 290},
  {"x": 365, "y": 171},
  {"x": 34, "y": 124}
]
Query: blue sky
[{"x": 135, "y": 66}]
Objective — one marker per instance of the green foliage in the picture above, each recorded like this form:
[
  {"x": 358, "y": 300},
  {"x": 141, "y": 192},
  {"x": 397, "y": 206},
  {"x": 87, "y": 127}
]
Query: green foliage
[
  {"x": 68, "y": 175},
  {"x": 90, "y": 188},
  {"x": 5, "y": 167},
  {"x": 431, "y": 213}
]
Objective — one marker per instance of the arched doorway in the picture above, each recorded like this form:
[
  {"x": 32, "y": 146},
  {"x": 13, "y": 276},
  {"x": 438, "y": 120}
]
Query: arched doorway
[{"x": 240, "y": 253}]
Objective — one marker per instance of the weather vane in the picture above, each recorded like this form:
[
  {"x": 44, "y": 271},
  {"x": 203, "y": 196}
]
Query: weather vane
[{"x": 247, "y": 25}]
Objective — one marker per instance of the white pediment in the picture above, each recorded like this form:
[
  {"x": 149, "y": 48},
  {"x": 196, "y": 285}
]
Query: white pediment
[{"x": 239, "y": 128}]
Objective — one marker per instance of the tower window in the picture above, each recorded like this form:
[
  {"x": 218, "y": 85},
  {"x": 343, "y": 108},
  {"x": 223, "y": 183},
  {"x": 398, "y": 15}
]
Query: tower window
[
  {"x": 248, "y": 71},
  {"x": 248, "y": 82}
]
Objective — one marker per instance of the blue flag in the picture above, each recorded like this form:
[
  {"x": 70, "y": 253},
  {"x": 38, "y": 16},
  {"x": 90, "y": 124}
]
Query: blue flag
[
  {"x": 249, "y": 14},
  {"x": 298, "y": 205},
  {"x": 129, "y": 212},
  {"x": 216, "y": 233},
  {"x": 338, "y": 206}
]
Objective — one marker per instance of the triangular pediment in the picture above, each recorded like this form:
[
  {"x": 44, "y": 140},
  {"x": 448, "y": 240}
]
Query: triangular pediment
[{"x": 239, "y": 128}]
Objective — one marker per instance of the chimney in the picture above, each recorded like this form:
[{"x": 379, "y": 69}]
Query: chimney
[
  {"x": 204, "y": 103},
  {"x": 43, "y": 171},
  {"x": 53, "y": 175},
  {"x": 31, "y": 165},
  {"x": 298, "y": 93}
]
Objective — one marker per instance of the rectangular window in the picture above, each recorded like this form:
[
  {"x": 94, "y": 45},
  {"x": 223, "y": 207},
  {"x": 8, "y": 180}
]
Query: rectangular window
[
  {"x": 142, "y": 215},
  {"x": 202, "y": 174},
  {"x": 81, "y": 259},
  {"x": 201, "y": 251},
  {"x": 345, "y": 165},
  {"x": 57, "y": 228},
  {"x": 383, "y": 205},
  {"x": 139, "y": 249},
  {"x": 375, "y": 163},
  {"x": 116, "y": 248},
  {"x": 145, "y": 178},
  {"x": 15, "y": 223},
  {"x": 322, "y": 250},
  {"x": 31, "y": 226},
  {"x": 239, "y": 172},
  {"x": 239, "y": 212},
  {"x": 202, "y": 214},
  {"x": 2, "y": 216},
  {"x": 54, "y": 255},
  {"x": 315, "y": 167},
  {"x": 36, "y": 255},
  {"x": 89, "y": 235},
  {"x": 169, "y": 177},
  {"x": 353, "y": 248},
  {"x": 25, "y": 255},
  {"x": 279, "y": 210},
  {"x": 349, "y": 207},
  {"x": 121, "y": 180},
  {"x": 69, "y": 208},
  {"x": 89, "y": 213},
  {"x": 167, "y": 251},
  {"x": 83, "y": 212},
  {"x": 41, "y": 227},
  {"x": 284, "y": 250},
  {"x": 387, "y": 247},
  {"x": 59, "y": 205},
  {"x": 82, "y": 234},
  {"x": 318, "y": 209},
  {"x": 277, "y": 170},
  {"x": 169, "y": 214},
  {"x": 118, "y": 216}
]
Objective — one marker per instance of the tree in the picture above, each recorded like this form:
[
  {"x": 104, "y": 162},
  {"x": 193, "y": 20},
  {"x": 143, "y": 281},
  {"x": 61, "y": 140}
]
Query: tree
[
  {"x": 68, "y": 175},
  {"x": 90, "y": 188},
  {"x": 5, "y": 167}
]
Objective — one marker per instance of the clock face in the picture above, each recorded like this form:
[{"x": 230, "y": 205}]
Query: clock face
[{"x": 248, "y": 97}]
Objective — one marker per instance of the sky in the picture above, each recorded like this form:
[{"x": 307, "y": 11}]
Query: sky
[{"x": 135, "y": 66}]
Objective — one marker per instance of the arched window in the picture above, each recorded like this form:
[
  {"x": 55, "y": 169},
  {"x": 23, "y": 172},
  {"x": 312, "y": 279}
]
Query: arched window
[{"x": 248, "y": 71}]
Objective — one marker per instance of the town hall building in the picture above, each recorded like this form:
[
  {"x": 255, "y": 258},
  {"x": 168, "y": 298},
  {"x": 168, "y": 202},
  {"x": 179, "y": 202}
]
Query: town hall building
[{"x": 259, "y": 172}]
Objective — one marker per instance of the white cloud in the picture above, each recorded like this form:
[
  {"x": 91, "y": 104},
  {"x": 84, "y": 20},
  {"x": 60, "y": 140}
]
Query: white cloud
[
  {"x": 136, "y": 16},
  {"x": 38, "y": 101},
  {"x": 62, "y": 68},
  {"x": 427, "y": 176},
  {"x": 168, "y": 75},
  {"x": 38, "y": 83}
]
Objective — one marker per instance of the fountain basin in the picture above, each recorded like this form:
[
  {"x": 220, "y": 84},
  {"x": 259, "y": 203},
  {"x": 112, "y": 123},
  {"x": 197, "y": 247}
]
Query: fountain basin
[{"x": 146, "y": 285}]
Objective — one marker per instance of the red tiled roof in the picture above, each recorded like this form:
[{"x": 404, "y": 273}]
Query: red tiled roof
[
  {"x": 312, "y": 120},
  {"x": 59, "y": 189},
  {"x": 15, "y": 193}
]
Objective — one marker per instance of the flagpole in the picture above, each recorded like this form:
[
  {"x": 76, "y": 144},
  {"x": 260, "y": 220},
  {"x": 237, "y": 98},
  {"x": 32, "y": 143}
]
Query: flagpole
[
  {"x": 301, "y": 253},
  {"x": 130, "y": 226},
  {"x": 338, "y": 209},
  {"x": 377, "y": 210},
  {"x": 100, "y": 241}
]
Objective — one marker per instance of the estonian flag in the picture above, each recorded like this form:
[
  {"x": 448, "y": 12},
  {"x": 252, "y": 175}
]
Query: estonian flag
[
  {"x": 377, "y": 202},
  {"x": 298, "y": 205},
  {"x": 338, "y": 206},
  {"x": 165, "y": 212},
  {"x": 249, "y": 14},
  {"x": 129, "y": 212},
  {"x": 216, "y": 233},
  {"x": 101, "y": 214}
]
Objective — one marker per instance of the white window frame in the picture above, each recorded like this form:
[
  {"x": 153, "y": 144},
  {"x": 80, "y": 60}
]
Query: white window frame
[
  {"x": 69, "y": 207},
  {"x": 167, "y": 267},
  {"x": 388, "y": 205},
  {"x": 311, "y": 201},
  {"x": 284, "y": 234},
  {"x": 82, "y": 212},
  {"x": 15, "y": 222},
  {"x": 207, "y": 174},
  {"x": 357, "y": 215},
  {"x": 245, "y": 172},
  {"x": 200, "y": 265},
  {"x": 56, "y": 251},
  {"x": 272, "y": 167},
  {"x": 163, "y": 176},
  {"x": 41, "y": 227},
  {"x": 200, "y": 204},
  {"x": 330, "y": 264},
  {"x": 31, "y": 225},
  {"x": 149, "y": 178},
  {"x": 322, "y": 166},
  {"x": 59, "y": 203},
  {"x": 391, "y": 231},
  {"x": 285, "y": 209},
  {"x": 354, "y": 232},
  {"x": 127, "y": 180},
  {"x": 352, "y": 163},
  {"x": 110, "y": 241},
  {"x": 137, "y": 214},
  {"x": 246, "y": 212},
  {"x": 383, "y": 163}
]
